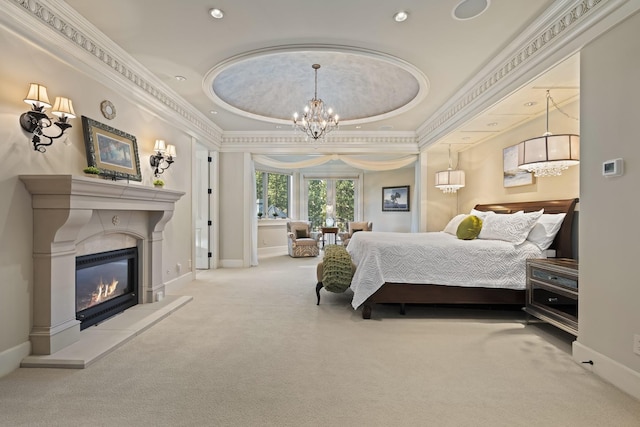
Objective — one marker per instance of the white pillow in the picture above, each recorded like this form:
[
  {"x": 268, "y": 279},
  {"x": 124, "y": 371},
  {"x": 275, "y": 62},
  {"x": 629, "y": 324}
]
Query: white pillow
[
  {"x": 512, "y": 228},
  {"x": 481, "y": 214},
  {"x": 452, "y": 227},
  {"x": 545, "y": 230}
]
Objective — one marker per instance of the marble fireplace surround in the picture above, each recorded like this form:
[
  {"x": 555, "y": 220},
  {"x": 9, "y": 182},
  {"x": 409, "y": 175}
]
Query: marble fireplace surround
[{"x": 76, "y": 215}]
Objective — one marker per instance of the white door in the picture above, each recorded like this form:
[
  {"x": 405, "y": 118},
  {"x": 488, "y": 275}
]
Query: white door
[{"x": 202, "y": 208}]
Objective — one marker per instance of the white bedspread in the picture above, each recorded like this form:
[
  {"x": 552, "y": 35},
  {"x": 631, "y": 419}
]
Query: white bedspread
[{"x": 435, "y": 258}]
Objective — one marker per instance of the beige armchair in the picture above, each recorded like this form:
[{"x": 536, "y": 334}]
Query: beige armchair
[
  {"x": 300, "y": 240},
  {"x": 354, "y": 227}
]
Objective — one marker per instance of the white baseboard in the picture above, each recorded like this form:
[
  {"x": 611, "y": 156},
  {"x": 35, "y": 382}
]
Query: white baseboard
[
  {"x": 179, "y": 282},
  {"x": 619, "y": 375},
  {"x": 272, "y": 251},
  {"x": 10, "y": 359},
  {"x": 231, "y": 263}
]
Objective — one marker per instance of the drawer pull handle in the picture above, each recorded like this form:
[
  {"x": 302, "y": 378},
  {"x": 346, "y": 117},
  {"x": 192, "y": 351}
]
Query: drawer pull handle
[
  {"x": 553, "y": 277},
  {"x": 553, "y": 299}
]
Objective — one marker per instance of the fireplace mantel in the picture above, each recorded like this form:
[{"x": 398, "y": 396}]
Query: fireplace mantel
[
  {"x": 79, "y": 192},
  {"x": 68, "y": 209}
]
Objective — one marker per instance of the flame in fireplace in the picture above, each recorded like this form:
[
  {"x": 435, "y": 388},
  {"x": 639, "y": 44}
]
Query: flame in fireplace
[{"x": 103, "y": 291}]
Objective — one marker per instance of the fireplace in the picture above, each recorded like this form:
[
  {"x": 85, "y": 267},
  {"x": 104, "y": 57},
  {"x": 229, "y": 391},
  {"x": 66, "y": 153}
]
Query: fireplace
[
  {"x": 106, "y": 284},
  {"x": 75, "y": 216}
]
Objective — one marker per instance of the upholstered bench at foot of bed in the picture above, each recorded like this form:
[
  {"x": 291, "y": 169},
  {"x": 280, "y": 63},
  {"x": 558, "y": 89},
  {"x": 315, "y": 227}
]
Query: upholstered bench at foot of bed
[{"x": 335, "y": 271}]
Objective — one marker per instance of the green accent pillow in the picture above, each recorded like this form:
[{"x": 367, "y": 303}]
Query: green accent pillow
[
  {"x": 469, "y": 228},
  {"x": 301, "y": 234}
]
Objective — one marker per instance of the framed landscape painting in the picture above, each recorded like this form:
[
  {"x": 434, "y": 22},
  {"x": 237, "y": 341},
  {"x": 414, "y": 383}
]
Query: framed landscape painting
[
  {"x": 395, "y": 199},
  {"x": 512, "y": 175},
  {"x": 112, "y": 151}
]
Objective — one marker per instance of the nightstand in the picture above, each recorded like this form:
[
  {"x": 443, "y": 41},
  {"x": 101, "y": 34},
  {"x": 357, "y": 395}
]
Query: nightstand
[{"x": 552, "y": 292}]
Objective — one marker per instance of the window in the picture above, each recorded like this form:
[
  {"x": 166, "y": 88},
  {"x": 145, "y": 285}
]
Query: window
[
  {"x": 335, "y": 198},
  {"x": 272, "y": 191}
]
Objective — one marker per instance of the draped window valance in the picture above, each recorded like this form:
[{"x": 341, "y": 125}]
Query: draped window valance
[{"x": 370, "y": 165}]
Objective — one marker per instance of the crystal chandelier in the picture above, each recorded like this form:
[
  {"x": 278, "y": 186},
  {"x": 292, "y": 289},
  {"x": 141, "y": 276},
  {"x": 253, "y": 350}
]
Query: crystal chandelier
[
  {"x": 450, "y": 181},
  {"x": 315, "y": 122},
  {"x": 549, "y": 155}
]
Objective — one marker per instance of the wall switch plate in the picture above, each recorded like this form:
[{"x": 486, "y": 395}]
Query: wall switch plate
[{"x": 636, "y": 344}]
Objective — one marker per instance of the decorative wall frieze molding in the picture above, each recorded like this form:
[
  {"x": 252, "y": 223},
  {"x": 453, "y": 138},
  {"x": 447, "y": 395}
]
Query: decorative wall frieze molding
[
  {"x": 335, "y": 139},
  {"x": 52, "y": 24},
  {"x": 557, "y": 28},
  {"x": 405, "y": 142}
]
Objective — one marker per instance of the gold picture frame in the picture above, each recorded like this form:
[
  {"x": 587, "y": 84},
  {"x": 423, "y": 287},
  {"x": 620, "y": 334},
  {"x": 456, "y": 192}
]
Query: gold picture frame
[{"x": 112, "y": 151}]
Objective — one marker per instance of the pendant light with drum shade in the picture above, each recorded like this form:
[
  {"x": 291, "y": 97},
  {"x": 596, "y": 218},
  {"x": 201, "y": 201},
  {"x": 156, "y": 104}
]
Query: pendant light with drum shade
[
  {"x": 549, "y": 154},
  {"x": 450, "y": 181}
]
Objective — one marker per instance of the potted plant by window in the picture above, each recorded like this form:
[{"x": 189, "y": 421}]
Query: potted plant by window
[
  {"x": 158, "y": 183},
  {"x": 91, "y": 171}
]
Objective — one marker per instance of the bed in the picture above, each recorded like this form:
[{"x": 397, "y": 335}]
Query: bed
[{"x": 420, "y": 268}]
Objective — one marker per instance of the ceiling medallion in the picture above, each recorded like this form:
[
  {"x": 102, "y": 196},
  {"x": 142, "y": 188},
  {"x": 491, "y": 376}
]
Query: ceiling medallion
[
  {"x": 316, "y": 121},
  {"x": 108, "y": 109}
]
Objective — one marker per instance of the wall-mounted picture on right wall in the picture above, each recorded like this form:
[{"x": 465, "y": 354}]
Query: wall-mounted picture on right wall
[{"x": 512, "y": 176}]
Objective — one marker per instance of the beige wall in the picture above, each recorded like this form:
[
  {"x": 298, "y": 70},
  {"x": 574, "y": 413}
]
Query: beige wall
[
  {"x": 373, "y": 183},
  {"x": 233, "y": 234},
  {"x": 609, "y": 284},
  {"x": 441, "y": 207},
  {"x": 28, "y": 64}
]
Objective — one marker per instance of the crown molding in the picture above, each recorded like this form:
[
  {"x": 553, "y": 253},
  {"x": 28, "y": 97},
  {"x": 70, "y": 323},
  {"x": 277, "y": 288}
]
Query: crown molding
[
  {"x": 561, "y": 31},
  {"x": 56, "y": 27},
  {"x": 335, "y": 143},
  {"x": 558, "y": 33}
]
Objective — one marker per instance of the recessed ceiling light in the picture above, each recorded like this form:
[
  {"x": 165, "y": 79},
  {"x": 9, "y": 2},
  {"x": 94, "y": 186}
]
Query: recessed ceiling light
[
  {"x": 216, "y": 13},
  {"x": 401, "y": 16},
  {"x": 530, "y": 104},
  {"x": 492, "y": 124},
  {"x": 181, "y": 78},
  {"x": 278, "y": 127},
  {"x": 213, "y": 112},
  {"x": 358, "y": 127}
]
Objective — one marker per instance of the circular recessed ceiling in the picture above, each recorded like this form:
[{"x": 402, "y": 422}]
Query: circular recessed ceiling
[
  {"x": 361, "y": 86},
  {"x": 469, "y": 9}
]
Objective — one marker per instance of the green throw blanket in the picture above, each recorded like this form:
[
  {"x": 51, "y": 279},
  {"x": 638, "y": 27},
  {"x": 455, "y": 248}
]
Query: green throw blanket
[{"x": 337, "y": 269}]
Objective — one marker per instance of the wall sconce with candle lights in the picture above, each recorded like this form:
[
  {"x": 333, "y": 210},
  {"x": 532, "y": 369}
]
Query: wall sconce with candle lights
[
  {"x": 165, "y": 154},
  {"x": 37, "y": 122}
]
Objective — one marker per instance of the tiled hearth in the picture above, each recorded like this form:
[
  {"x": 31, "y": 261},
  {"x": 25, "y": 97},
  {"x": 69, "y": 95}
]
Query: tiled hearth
[{"x": 75, "y": 216}]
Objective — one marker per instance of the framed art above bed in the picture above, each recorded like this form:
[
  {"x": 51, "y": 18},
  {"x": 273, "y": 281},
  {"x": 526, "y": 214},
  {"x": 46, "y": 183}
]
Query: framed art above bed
[{"x": 512, "y": 175}]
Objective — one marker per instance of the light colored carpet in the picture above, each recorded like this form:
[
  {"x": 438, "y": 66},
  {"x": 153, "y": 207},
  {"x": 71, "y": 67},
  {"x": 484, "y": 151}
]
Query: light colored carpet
[{"x": 253, "y": 349}]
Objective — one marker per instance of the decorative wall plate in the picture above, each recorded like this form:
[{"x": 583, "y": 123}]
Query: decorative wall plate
[{"x": 108, "y": 109}]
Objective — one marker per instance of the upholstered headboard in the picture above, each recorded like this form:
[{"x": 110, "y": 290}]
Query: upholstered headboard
[{"x": 563, "y": 243}]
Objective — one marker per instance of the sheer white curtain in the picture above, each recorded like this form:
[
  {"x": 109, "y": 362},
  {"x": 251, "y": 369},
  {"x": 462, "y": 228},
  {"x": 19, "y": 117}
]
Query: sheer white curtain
[
  {"x": 370, "y": 165},
  {"x": 254, "y": 217}
]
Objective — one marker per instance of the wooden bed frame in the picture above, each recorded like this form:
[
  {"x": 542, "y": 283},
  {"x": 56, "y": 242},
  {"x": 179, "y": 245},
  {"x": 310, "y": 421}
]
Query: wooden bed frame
[{"x": 404, "y": 293}]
